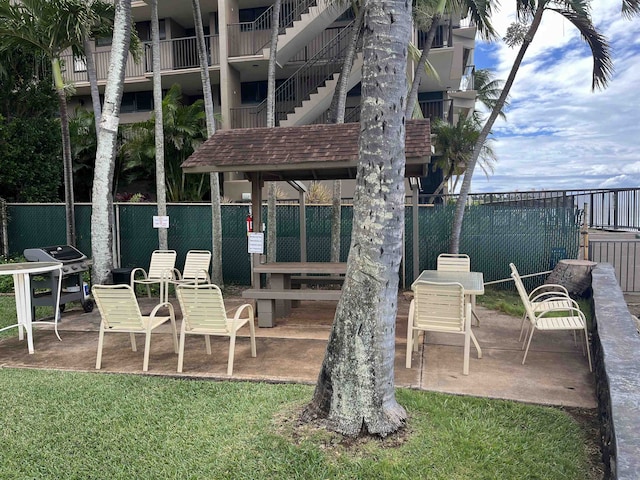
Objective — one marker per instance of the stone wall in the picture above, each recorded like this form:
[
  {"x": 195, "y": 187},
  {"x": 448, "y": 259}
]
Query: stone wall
[{"x": 616, "y": 347}]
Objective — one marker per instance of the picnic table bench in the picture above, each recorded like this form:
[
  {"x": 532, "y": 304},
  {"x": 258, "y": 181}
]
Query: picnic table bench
[{"x": 276, "y": 301}]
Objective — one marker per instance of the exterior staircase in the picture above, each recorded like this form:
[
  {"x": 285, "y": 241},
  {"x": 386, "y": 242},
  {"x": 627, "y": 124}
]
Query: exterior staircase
[
  {"x": 319, "y": 102},
  {"x": 309, "y": 25}
]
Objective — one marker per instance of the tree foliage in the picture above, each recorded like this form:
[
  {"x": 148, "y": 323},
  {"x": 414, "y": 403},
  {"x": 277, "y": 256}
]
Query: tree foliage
[
  {"x": 184, "y": 130},
  {"x": 30, "y": 163}
]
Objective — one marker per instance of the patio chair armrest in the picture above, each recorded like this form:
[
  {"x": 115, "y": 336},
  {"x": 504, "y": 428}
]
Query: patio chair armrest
[
  {"x": 205, "y": 277},
  {"x": 168, "y": 305},
  {"x": 240, "y": 310},
  {"x": 135, "y": 270},
  {"x": 548, "y": 296},
  {"x": 175, "y": 274},
  {"x": 548, "y": 288}
]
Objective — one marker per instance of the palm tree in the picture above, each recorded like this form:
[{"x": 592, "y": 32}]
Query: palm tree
[
  {"x": 49, "y": 27},
  {"x": 161, "y": 190},
  {"x": 214, "y": 184},
  {"x": 101, "y": 215},
  {"x": 336, "y": 115},
  {"x": 488, "y": 91},
  {"x": 355, "y": 388},
  {"x": 454, "y": 146},
  {"x": 428, "y": 14},
  {"x": 271, "y": 122},
  {"x": 184, "y": 130},
  {"x": 577, "y": 13}
]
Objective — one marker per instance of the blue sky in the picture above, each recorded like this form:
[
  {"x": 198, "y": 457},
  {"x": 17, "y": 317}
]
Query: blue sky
[{"x": 559, "y": 134}]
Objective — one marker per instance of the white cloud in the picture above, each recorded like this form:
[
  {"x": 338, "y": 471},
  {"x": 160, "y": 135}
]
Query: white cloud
[{"x": 559, "y": 133}]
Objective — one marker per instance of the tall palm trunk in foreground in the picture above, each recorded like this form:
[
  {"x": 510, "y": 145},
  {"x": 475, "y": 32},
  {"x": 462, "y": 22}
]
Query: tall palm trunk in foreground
[
  {"x": 355, "y": 389},
  {"x": 214, "y": 183},
  {"x": 101, "y": 215}
]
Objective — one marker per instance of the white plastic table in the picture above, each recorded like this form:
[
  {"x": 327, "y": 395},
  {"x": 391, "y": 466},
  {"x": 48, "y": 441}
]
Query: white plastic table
[{"x": 22, "y": 286}]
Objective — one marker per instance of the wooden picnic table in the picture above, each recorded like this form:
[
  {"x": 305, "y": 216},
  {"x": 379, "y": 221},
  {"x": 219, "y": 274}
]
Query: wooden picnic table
[{"x": 276, "y": 300}]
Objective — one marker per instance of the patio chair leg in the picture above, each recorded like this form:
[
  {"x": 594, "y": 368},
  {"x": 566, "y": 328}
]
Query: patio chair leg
[
  {"x": 100, "y": 344},
  {"x": 147, "y": 347},
  {"x": 524, "y": 319},
  {"x": 181, "y": 348},
  {"x": 232, "y": 351},
  {"x": 252, "y": 333},
  {"x": 409, "y": 345},
  {"x": 475, "y": 342},
  {"x": 175, "y": 334},
  {"x": 132, "y": 337},
  {"x": 207, "y": 343},
  {"x": 467, "y": 346},
  {"x": 533, "y": 329}
]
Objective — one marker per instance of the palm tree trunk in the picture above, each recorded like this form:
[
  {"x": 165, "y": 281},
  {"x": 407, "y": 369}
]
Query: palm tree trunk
[
  {"x": 336, "y": 112},
  {"x": 93, "y": 78},
  {"x": 161, "y": 187},
  {"x": 271, "y": 122},
  {"x": 67, "y": 162},
  {"x": 412, "y": 99},
  {"x": 214, "y": 183},
  {"x": 101, "y": 214},
  {"x": 355, "y": 388},
  {"x": 456, "y": 228}
]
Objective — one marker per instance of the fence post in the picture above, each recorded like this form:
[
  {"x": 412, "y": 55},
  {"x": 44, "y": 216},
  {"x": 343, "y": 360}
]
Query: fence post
[
  {"x": 615, "y": 210},
  {"x": 4, "y": 220},
  {"x": 584, "y": 231}
]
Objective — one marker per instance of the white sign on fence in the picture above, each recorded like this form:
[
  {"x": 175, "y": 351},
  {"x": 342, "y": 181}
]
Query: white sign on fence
[
  {"x": 256, "y": 242},
  {"x": 160, "y": 221}
]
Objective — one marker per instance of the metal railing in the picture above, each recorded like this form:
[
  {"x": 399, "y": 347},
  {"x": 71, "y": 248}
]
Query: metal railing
[
  {"x": 249, "y": 38},
  {"x": 624, "y": 256},
  {"x": 299, "y": 86},
  {"x": 175, "y": 54},
  {"x": 609, "y": 209}
]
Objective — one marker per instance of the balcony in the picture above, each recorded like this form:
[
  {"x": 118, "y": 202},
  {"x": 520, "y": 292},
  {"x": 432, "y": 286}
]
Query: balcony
[{"x": 175, "y": 55}]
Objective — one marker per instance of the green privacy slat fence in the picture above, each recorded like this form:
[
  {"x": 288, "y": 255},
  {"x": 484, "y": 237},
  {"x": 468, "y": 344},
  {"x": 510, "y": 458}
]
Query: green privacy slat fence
[{"x": 532, "y": 237}]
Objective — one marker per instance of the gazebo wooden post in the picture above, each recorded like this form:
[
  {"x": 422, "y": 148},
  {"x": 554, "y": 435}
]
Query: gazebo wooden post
[
  {"x": 256, "y": 210},
  {"x": 415, "y": 187}
]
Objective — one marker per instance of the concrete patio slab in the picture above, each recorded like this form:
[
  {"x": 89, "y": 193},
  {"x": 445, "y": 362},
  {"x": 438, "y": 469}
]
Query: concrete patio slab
[{"x": 556, "y": 372}]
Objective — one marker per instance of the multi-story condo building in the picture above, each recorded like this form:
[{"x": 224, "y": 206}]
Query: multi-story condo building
[{"x": 314, "y": 35}]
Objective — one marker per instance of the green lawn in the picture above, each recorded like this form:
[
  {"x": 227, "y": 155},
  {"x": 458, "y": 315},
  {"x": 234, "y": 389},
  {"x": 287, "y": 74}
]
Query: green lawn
[{"x": 60, "y": 425}]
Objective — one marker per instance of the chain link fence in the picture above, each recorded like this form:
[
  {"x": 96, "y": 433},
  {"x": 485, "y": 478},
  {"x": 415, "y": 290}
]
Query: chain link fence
[{"x": 532, "y": 237}]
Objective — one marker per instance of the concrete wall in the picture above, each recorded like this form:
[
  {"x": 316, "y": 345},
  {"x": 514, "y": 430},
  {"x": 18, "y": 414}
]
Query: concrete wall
[{"x": 616, "y": 346}]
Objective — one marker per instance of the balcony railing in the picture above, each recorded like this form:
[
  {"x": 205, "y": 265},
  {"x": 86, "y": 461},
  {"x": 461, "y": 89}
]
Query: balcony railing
[
  {"x": 175, "y": 54},
  {"x": 249, "y": 38}
]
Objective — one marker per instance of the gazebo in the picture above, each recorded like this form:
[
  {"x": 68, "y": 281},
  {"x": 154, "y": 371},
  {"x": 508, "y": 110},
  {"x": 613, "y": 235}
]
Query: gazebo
[{"x": 306, "y": 152}]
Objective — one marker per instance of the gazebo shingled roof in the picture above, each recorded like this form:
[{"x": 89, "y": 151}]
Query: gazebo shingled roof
[{"x": 306, "y": 152}]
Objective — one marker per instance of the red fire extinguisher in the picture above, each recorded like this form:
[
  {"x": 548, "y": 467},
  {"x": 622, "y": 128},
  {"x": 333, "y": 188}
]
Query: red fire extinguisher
[{"x": 249, "y": 223}]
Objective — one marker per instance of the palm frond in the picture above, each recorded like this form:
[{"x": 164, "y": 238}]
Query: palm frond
[
  {"x": 600, "y": 51},
  {"x": 630, "y": 8}
]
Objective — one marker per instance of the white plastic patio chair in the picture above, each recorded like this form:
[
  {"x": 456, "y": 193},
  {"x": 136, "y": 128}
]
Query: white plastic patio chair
[
  {"x": 552, "y": 315},
  {"x": 204, "y": 313},
  {"x": 196, "y": 269},
  {"x": 120, "y": 312},
  {"x": 440, "y": 307},
  {"x": 160, "y": 271},
  {"x": 458, "y": 262},
  {"x": 544, "y": 297}
]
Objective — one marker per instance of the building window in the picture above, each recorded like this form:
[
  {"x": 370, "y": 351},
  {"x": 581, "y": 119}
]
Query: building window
[
  {"x": 136, "y": 102},
  {"x": 104, "y": 41},
  {"x": 250, "y": 15}
]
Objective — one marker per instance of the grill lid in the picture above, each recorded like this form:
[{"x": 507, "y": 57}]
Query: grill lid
[{"x": 56, "y": 253}]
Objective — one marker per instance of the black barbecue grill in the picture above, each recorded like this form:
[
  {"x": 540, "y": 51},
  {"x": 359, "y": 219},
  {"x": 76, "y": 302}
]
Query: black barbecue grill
[{"x": 44, "y": 288}]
